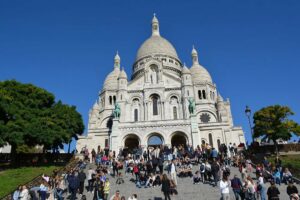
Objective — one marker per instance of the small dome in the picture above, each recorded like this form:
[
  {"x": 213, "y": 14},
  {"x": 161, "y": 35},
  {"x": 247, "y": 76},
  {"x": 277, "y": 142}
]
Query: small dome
[
  {"x": 111, "y": 81},
  {"x": 200, "y": 74},
  {"x": 185, "y": 70},
  {"x": 156, "y": 45},
  {"x": 123, "y": 74}
]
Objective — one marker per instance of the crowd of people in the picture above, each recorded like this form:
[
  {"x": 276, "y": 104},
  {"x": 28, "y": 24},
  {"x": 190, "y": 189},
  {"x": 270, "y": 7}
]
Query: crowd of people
[{"x": 161, "y": 167}]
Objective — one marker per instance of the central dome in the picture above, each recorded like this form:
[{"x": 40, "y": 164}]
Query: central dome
[{"x": 156, "y": 45}]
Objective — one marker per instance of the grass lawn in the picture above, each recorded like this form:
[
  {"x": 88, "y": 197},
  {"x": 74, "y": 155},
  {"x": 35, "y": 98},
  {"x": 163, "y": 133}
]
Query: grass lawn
[
  {"x": 11, "y": 178},
  {"x": 290, "y": 161}
]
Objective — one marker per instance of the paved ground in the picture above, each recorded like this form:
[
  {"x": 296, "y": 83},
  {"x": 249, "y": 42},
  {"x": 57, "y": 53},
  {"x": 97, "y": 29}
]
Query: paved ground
[{"x": 186, "y": 190}]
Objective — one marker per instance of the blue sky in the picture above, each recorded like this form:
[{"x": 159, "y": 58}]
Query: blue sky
[{"x": 251, "y": 48}]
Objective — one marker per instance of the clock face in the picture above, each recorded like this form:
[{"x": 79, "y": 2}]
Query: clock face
[{"x": 205, "y": 118}]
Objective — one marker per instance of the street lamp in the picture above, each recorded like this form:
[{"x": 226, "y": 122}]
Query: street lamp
[{"x": 248, "y": 114}]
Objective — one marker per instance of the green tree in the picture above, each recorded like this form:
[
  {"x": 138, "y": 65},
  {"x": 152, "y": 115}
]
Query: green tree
[
  {"x": 30, "y": 116},
  {"x": 273, "y": 123}
]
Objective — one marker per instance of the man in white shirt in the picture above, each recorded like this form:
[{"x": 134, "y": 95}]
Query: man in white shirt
[
  {"x": 224, "y": 187},
  {"x": 173, "y": 171},
  {"x": 90, "y": 179}
]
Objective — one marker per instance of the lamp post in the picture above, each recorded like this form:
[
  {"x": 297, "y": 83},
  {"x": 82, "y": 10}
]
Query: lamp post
[{"x": 248, "y": 114}]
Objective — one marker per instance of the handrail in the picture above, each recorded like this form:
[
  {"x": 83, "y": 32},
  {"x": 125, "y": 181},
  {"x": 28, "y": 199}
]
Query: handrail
[{"x": 297, "y": 180}]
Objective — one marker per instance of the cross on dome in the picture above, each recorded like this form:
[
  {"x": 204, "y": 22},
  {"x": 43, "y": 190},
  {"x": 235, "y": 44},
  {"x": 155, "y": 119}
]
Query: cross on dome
[
  {"x": 155, "y": 26},
  {"x": 117, "y": 60}
]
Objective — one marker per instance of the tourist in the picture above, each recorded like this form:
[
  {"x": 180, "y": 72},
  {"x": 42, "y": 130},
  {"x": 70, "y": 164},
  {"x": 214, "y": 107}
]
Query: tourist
[
  {"x": 207, "y": 171},
  {"x": 106, "y": 189},
  {"x": 251, "y": 188},
  {"x": 261, "y": 188},
  {"x": 73, "y": 185},
  {"x": 286, "y": 176},
  {"x": 202, "y": 171},
  {"x": 117, "y": 196},
  {"x": 16, "y": 193},
  {"x": 24, "y": 194},
  {"x": 224, "y": 187},
  {"x": 197, "y": 178},
  {"x": 215, "y": 170},
  {"x": 214, "y": 153},
  {"x": 43, "y": 190},
  {"x": 165, "y": 187},
  {"x": 81, "y": 177},
  {"x": 276, "y": 176},
  {"x": 98, "y": 188},
  {"x": 173, "y": 171},
  {"x": 93, "y": 155},
  {"x": 292, "y": 191},
  {"x": 236, "y": 187},
  {"x": 120, "y": 179},
  {"x": 133, "y": 197},
  {"x": 173, "y": 186},
  {"x": 90, "y": 178},
  {"x": 273, "y": 192},
  {"x": 123, "y": 198},
  {"x": 60, "y": 187}
]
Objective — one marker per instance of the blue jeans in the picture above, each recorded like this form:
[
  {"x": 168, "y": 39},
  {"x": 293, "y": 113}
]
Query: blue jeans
[{"x": 236, "y": 193}]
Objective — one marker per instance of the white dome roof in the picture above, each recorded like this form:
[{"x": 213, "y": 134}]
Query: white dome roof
[
  {"x": 185, "y": 70},
  {"x": 156, "y": 45},
  {"x": 123, "y": 74},
  {"x": 111, "y": 81},
  {"x": 200, "y": 74}
]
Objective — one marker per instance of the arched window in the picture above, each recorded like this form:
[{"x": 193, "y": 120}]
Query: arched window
[
  {"x": 136, "y": 115},
  {"x": 203, "y": 94},
  {"x": 110, "y": 100},
  {"x": 114, "y": 99},
  {"x": 210, "y": 139},
  {"x": 121, "y": 97},
  {"x": 175, "y": 112},
  {"x": 188, "y": 93},
  {"x": 155, "y": 105},
  {"x": 199, "y": 94}
]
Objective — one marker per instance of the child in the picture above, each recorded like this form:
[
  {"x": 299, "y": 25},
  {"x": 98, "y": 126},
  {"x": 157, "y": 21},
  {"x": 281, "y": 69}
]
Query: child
[{"x": 120, "y": 179}]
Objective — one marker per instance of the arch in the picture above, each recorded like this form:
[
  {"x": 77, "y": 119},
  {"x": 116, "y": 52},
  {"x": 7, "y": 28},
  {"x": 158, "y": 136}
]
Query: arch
[
  {"x": 179, "y": 138},
  {"x": 115, "y": 99},
  {"x": 210, "y": 139},
  {"x": 171, "y": 95},
  {"x": 106, "y": 122},
  {"x": 131, "y": 141},
  {"x": 155, "y": 139}
]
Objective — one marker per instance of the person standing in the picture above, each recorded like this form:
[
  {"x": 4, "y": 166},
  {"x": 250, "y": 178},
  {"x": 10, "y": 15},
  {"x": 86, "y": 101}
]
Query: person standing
[
  {"x": 236, "y": 185},
  {"x": 261, "y": 187},
  {"x": 215, "y": 170},
  {"x": 292, "y": 191},
  {"x": 273, "y": 192},
  {"x": 24, "y": 194},
  {"x": 165, "y": 187},
  {"x": 73, "y": 185},
  {"x": 106, "y": 189},
  {"x": 224, "y": 187},
  {"x": 90, "y": 178},
  {"x": 81, "y": 177},
  {"x": 173, "y": 171}
]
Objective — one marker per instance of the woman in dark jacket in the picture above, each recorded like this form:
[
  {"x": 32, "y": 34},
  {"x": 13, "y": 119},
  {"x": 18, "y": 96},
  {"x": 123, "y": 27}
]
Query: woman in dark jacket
[{"x": 165, "y": 187}]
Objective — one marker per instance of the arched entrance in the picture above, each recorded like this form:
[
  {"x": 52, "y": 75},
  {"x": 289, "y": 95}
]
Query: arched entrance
[
  {"x": 179, "y": 139},
  {"x": 131, "y": 142},
  {"x": 155, "y": 140}
]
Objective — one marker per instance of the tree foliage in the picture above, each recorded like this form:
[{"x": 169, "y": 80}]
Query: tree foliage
[
  {"x": 30, "y": 116},
  {"x": 273, "y": 123}
]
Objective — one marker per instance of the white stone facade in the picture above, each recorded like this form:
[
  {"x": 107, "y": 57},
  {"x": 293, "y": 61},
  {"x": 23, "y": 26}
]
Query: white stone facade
[{"x": 154, "y": 102}]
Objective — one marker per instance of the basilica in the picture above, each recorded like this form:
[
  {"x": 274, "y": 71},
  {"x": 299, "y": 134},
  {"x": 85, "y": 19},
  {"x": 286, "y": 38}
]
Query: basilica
[{"x": 153, "y": 103}]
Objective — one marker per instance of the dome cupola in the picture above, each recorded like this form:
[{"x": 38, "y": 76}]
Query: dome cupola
[
  {"x": 199, "y": 73},
  {"x": 156, "y": 44}
]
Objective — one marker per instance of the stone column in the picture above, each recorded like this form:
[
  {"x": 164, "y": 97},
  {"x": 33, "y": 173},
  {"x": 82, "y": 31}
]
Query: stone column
[
  {"x": 114, "y": 136},
  {"x": 195, "y": 131}
]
